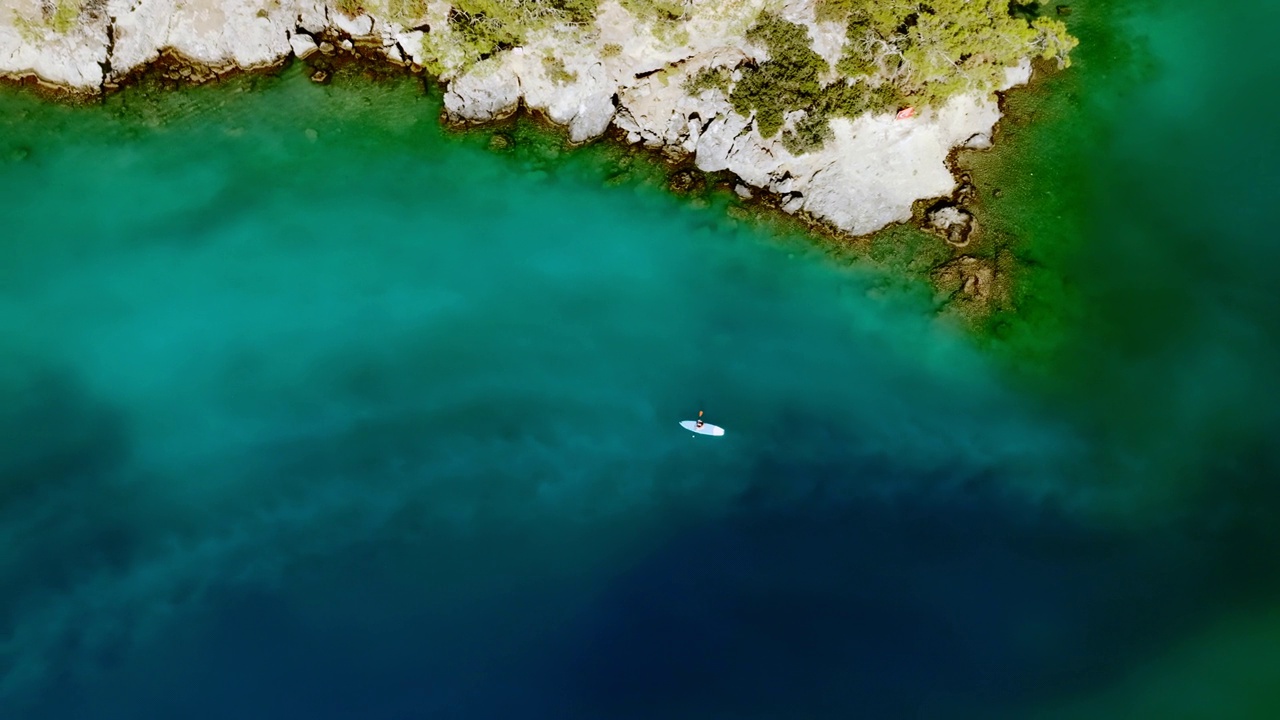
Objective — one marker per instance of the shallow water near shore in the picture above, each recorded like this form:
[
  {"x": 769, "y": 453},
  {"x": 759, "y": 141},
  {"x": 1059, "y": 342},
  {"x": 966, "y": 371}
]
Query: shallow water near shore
[{"x": 315, "y": 410}]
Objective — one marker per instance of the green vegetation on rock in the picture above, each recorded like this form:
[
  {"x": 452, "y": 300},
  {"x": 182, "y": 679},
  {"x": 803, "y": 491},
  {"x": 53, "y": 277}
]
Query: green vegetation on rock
[
  {"x": 708, "y": 78},
  {"x": 659, "y": 10},
  {"x": 935, "y": 51},
  {"x": 480, "y": 28},
  {"x": 406, "y": 11},
  {"x": 350, "y": 8},
  {"x": 58, "y": 17},
  {"x": 65, "y": 13},
  {"x": 555, "y": 70},
  {"x": 898, "y": 52},
  {"x": 403, "y": 12},
  {"x": 789, "y": 80},
  {"x": 665, "y": 16}
]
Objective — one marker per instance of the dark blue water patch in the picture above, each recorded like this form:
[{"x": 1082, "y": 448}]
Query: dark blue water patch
[
  {"x": 64, "y": 503},
  {"x": 252, "y": 656},
  {"x": 914, "y": 607},
  {"x": 385, "y": 629},
  {"x": 813, "y": 596},
  {"x": 816, "y": 605}
]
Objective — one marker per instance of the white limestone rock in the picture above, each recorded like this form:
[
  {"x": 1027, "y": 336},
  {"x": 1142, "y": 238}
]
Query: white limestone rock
[
  {"x": 217, "y": 33},
  {"x": 566, "y": 80},
  {"x": 303, "y": 44},
  {"x": 30, "y": 46},
  {"x": 948, "y": 217},
  {"x": 875, "y": 167},
  {"x": 410, "y": 43},
  {"x": 359, "y": 26},
  {"x": 489, "y": 90}
]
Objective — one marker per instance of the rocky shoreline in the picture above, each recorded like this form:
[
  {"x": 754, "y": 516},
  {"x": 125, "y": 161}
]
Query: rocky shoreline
[{"x": 621, "y": 74}]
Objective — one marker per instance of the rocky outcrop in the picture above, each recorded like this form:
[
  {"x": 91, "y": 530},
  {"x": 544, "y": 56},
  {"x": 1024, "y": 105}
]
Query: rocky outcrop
[
  {"x": 952, "y": 222},
  {"x": 621, "y": 71}
]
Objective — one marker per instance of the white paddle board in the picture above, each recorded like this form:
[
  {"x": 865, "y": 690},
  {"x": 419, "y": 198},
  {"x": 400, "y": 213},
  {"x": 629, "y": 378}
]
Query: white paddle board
[{"x": 706, "y": 429}]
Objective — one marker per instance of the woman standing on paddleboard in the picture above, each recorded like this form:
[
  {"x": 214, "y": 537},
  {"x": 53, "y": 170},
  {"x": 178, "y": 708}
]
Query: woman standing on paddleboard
[{"x": 701, "y": 427}]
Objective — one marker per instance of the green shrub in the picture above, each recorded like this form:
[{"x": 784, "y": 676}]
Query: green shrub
[
  {"x": 350, "y": 8},
  {"x": 842, "y": 98},
  {"x": 65, "y": 14},
  {"x": 886, "y": 97},
  {"x": 708, "y": 78},
  {"x": 58, "y": 16},
  {"x": 1053, "y": 41},
  {"x": 936, "y": 50},
  {"x": 788, "y": 80},
  {"x": 661, "y": 10},
  {"x": 810, "y": 132},
  {"x": 665, "y": 16},
  {"x": 406, "y": 11},
  {"x": 486, "y": 26},
  {"x": 899, "y": 52},
  {"x": 480, "y": 35},
  {"x": 555, "y": 70},
  {"x": 837, "y": 10},
  {"x": 578, "y": 11}
]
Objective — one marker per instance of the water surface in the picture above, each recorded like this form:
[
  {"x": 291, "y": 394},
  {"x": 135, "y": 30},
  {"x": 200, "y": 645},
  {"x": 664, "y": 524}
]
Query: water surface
[{"x": 315, "y": 410}]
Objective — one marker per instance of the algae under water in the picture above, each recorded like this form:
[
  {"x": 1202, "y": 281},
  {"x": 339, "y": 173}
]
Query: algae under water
[
  {"x": 312, "y": 409},
  {"x": 1134, "y": 198}
]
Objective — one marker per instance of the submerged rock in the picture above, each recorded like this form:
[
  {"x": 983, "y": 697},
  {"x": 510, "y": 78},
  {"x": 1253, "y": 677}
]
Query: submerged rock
[
  {"x": 953, "y": 222},
  {"x": 683, "y": 181},
  {"x": 967, "y": 278}
]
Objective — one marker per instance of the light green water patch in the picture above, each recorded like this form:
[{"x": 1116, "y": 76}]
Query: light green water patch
[
  {"x": 1224, "y": 670},
  {"x": 1035, "y": 186}
]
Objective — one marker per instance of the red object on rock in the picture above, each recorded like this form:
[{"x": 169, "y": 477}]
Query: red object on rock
[{"x": 905, "y": 113}]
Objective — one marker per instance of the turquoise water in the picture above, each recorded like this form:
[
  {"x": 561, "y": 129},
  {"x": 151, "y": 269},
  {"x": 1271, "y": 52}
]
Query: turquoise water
[{"x": 315, "y": 410}]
